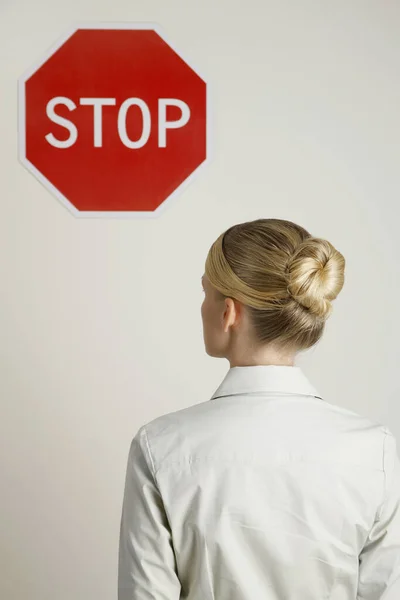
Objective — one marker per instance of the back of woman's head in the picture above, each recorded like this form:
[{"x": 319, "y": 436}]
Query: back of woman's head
[{"x": 286, "y": 278}]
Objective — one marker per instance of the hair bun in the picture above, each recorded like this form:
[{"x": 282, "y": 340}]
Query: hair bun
[{"x": 315, "y": 275}]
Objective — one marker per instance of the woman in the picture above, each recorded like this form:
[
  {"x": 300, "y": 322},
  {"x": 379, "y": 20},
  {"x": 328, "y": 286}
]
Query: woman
[{"x": 265, "y": 491}]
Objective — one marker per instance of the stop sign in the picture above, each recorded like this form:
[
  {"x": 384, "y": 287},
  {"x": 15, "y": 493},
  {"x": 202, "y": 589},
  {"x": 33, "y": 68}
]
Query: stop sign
[{"x": 113, "y": 120}]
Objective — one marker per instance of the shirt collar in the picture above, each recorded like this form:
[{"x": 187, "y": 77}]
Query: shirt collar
[{"x": 265, "y": 378}]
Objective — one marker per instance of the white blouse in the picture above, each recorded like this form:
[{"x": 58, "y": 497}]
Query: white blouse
[{"x": 263, "y": 492}]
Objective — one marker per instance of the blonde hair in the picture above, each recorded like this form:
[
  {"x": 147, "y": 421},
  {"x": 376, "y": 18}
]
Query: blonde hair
[{"x": 286, "y": 278}]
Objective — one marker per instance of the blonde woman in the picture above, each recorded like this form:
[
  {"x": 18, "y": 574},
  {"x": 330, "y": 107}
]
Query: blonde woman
[{"x": 265, "y": 491}]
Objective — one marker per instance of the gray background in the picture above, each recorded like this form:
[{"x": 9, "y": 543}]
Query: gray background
[{"x": 100, "y": 318}]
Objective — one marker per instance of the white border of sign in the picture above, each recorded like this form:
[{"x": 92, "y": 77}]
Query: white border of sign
[{"x": 45, "y": 182}]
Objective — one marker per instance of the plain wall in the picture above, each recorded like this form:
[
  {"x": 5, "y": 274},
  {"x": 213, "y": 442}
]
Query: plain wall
[{"x": 100, "y": 318}]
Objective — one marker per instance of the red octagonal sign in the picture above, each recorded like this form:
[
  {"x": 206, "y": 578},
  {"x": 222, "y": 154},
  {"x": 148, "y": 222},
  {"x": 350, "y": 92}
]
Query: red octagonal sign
[{"x": 113, "y": 120}]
